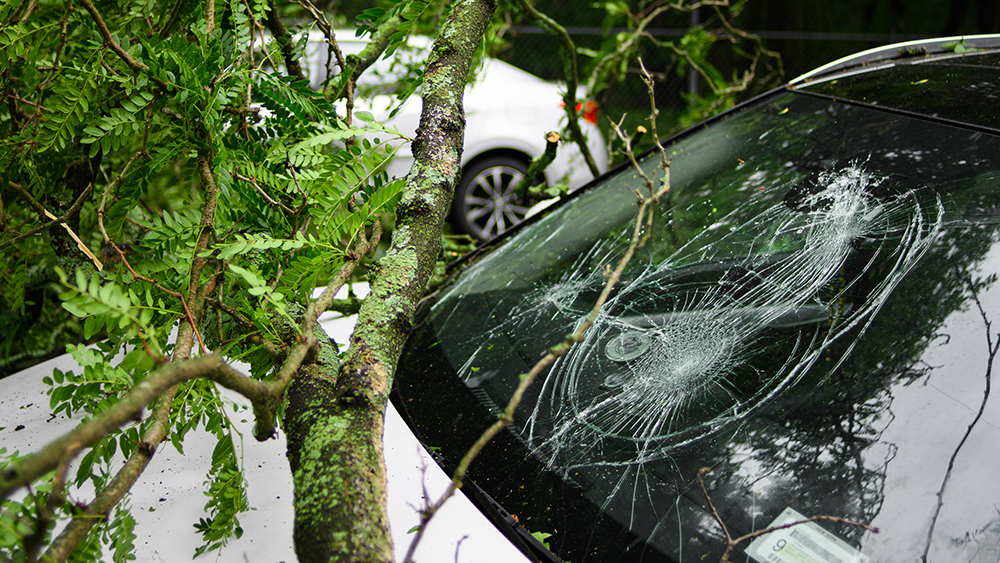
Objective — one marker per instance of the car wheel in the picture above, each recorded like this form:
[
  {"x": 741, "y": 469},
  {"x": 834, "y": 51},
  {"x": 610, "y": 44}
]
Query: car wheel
[{"x": 484, "y": 203}]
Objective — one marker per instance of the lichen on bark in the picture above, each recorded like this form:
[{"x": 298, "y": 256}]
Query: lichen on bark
[
  {"x": 335, "y": 452},
  {"x": 334, "y": 417}
]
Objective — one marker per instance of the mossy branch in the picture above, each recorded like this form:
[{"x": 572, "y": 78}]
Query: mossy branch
[
  {"x": 567, "y": 51},
  {"x": 538, "y": 165},
  {"x": 330, "y": 519}
]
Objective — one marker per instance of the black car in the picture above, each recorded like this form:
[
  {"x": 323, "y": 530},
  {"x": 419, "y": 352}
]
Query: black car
[{"x": 815, "y": 318}]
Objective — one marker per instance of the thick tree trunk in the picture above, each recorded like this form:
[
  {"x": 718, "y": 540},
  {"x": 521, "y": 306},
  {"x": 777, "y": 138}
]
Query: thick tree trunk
[
  {"x": 334, "y": 418},
  {"x": 335, "y": 451}
]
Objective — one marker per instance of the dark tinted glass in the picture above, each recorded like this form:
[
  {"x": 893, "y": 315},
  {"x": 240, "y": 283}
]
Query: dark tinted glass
[
  {"x": 784, "y": 326},
  {"x": 963, "y": 88}
]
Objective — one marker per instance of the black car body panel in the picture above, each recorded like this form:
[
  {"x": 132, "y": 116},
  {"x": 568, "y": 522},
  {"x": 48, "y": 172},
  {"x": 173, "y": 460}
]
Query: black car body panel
[{"x": 814, "y": 318}]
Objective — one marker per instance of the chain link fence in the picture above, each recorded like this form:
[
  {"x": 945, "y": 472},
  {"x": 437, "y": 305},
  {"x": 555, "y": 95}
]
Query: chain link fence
[{"x": 806, "y": 35}]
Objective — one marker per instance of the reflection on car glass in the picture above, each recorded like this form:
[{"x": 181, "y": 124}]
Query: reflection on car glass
[
  {"x": 686, "y": 348},
  {"x": 665, "y": 362}
]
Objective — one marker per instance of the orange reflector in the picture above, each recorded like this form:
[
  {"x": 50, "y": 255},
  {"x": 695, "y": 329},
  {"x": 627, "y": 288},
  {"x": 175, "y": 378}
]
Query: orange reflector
[{"x": 590, "y": 114}]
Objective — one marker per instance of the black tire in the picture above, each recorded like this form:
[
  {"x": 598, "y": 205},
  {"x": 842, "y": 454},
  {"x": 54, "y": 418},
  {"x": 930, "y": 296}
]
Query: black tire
[{"x": 484, "y": 204}]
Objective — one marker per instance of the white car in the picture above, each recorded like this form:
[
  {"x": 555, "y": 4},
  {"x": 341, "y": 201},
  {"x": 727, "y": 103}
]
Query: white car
[{"x": 508, "y": 113}]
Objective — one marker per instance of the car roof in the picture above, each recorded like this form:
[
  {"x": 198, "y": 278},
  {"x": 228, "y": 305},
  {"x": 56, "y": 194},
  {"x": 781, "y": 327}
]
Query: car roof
[
  {"x": 906, "y": 52},
  {"x": 946, "y": 81}
]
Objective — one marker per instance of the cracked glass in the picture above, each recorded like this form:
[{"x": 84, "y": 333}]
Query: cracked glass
[{"x": 811, "y": 319}]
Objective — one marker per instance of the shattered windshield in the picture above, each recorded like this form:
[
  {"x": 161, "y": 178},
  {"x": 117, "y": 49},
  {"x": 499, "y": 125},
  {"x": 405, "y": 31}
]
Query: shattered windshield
[{"x": 752, "y": 324}]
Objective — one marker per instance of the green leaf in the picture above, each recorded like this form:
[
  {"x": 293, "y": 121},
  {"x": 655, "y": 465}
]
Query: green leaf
[{"x": 541, "y": 537}]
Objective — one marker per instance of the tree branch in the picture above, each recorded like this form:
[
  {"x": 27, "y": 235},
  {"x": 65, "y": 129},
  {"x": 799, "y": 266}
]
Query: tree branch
[
  {"x": 641, "y": 231},
  {"x": 357, "y": 64},
  {"x": 603, "y": 67},
  {"x": 128, "y": 409},
  {"x": 109, "y": 497},
  {"x": 340, "y": 503},
  {"x": 281, "y": 35},
  {"x": 60, "y": 220},
  {"x": 571, "y": 72},
  {"x": 175, "y": 12},
  {"x": 133, "y": 64},
  {"x": 73, "y": 210},
  {"x": 210, "y": 16},
  {"x": 263, "y": 194},
  {"x": 538, "y": 165}
]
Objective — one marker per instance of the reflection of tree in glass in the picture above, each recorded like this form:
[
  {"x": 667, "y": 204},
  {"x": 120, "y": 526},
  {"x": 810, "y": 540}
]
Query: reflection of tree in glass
[
  {"x": 672, "y": 358},
  {"x": 709, "y": 181},
  {"x": 981, "y": 543},
  {"x": 819, "y": 448}
]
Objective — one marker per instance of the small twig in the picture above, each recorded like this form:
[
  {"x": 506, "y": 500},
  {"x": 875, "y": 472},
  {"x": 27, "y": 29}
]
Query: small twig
[
  {"x": 33, "y": 541},
  {"x": 333, "y": 48},
  {"x": 567, "y": 50},
  {"x": 281, "y": 35},
  {"x": 357, "y": 64},
  {"x": 60, "y": 220},
  {"x": 302, "y": 192},
  {"x": 171, "y": 19},
  {"x": 17, "y": 98},
  {"x": 604, "y": 66},
  {"x": 195, "y": 294},
  {"x": 56, "y": 61},
  {"x": 363, "y": 249},
  {"x": 109, "y": 40},
  {"x": 458, "y": 546},
  {"x": 28, "y": 6},
  {"x": 232, "y": 312},
  {"x": 46, "y": 510},
  {"x": 145, "y": 131},
  {"x": 253, "y": 337},
  {"x": 125, "y": 410},
  {"x": 991, "y": 349},
  {"x": 711, "y": 510},
  {"x": 73, "y": 210},
  {"x": 271, "y": 201},
  {"x": 121, "y": 254},
  {"x": 752, "y": 37},
  {"x": 187, "y": 311}
]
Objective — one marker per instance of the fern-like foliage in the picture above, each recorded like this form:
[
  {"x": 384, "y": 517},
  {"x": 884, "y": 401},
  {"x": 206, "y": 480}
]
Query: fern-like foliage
[
  {"x": 407, "y": 10},
  {"x": 167, "y": 143},
  {"x": 116, "y": 129},
  {"x": 227, "y": 497},
  {"x": 71, "y": 104}
]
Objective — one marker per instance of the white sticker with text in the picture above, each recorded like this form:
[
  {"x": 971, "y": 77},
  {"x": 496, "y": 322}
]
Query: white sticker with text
[{"x": 802, "y": 543}]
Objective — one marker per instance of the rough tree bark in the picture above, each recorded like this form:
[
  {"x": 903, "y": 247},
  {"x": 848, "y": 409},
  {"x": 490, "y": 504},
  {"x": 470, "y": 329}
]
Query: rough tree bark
[{"x": 334, "y": 415}]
